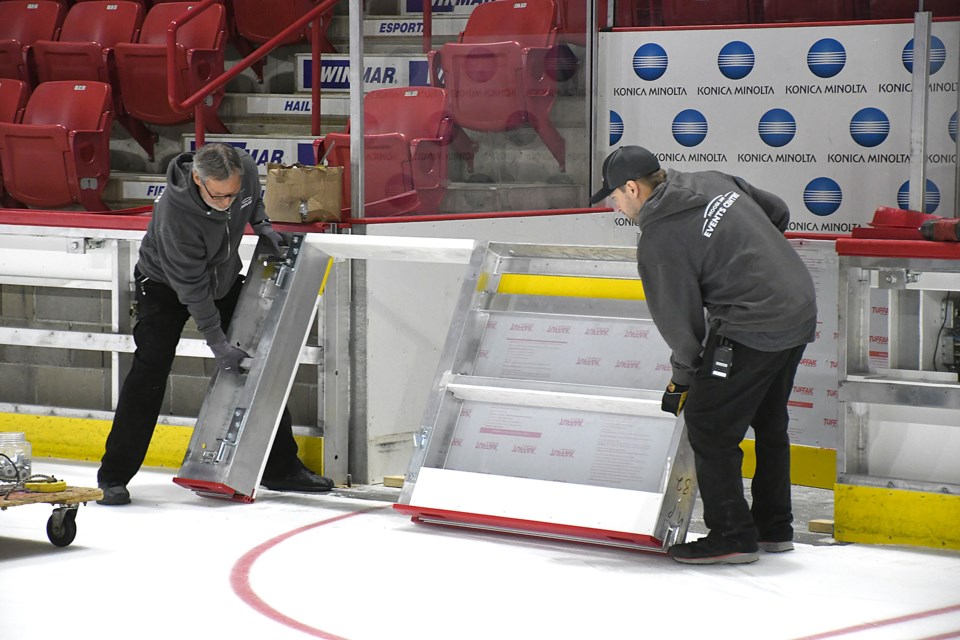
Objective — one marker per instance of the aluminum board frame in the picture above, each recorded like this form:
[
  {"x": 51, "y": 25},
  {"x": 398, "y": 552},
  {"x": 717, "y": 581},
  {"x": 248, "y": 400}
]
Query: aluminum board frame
[
  {"x": 240, "y": 414},
  {"x": 486, "y": 294}
]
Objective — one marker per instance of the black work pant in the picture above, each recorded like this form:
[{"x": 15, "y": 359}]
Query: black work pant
[
  {"x": 160, "y": 321},
  {"x": 718, "y": 412}
]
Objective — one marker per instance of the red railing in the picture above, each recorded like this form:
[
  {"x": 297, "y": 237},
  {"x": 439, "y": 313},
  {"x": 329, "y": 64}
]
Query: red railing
[{"x": 195, "y": 101}]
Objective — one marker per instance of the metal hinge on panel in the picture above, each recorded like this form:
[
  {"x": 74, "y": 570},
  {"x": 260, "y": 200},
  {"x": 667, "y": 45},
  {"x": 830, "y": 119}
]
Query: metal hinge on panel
[
  {"x": 420, "y": 438},
  {"x": 896, "y": 278},
  {"x": 82, "y": 245}
]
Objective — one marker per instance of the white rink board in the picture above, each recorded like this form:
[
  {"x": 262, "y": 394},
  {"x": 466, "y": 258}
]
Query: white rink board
[
  {"x": 562, "y": 445},
  {"x": 559, "y": 503}
]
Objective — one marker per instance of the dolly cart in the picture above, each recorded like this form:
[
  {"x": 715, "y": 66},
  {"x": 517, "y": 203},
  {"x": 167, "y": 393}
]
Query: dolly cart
[{"x": 62, "y": 524}]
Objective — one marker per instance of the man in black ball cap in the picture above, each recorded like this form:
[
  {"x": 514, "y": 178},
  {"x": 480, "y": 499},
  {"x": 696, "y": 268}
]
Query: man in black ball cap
[{"x": 737, "y": 307}]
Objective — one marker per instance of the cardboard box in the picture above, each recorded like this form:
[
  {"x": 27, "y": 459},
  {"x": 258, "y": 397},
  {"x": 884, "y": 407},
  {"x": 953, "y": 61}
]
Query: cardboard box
[{"x": 303, "y": 193}]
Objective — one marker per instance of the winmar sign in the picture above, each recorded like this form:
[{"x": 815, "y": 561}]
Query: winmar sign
[{"x": 713, "y": 213}]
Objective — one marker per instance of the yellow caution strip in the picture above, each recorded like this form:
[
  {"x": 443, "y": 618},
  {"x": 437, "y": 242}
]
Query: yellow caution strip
[
  {"x": 809, "y": 466},
  {"x": 84, "y": 438},
  {"x": 896, "y": 516},
  {"x": 571, "y": 286},
  {"x": 326, "y": 274}
]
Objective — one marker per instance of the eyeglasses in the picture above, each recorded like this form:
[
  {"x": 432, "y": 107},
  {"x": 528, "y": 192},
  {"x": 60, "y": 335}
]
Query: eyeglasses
[{"x": 227, "y": 197}]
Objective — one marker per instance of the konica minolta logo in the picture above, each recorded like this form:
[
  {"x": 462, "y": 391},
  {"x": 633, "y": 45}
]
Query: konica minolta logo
[
  {"x": 650, "y": 61},
  {"x": 822, "y": 196},
  {"x": 777, "y": 127},
  {"x": 826, "y": 58},
  {"x": 616, "y": 127},
  {"x": 931, "y": 199},
  {"x": 938, "y": 55},
  {"x": 689, "y": 127},
  {"x": 952, "y": 127},
  {"x": 736, "y": 60},
  {"x": 869, "y": 127}
]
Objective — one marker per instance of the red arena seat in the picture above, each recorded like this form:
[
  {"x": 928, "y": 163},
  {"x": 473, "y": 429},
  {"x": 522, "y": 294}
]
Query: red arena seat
[
  {"x": 495, "y": 74},
  {"x": 84, "y": 51},
  {"x": 13, "y": 100},
  {"x": 59, "y": 154},
  {"x": 22, "y": 24},
  {"x": 693, "y": 12},
  {"x": 254, "y": 22},
  {"x": 407, "y": 135},
  {"x": 90, "y": 32},
  {"x": 572, "y": 16},
  {"x": 808, "y": 10},
  {"x": 142, "y": 66},
  {"x": 895, "y": 9},
  {"x": 259, "y": 21},
  {"x": 144, "y": 4}
]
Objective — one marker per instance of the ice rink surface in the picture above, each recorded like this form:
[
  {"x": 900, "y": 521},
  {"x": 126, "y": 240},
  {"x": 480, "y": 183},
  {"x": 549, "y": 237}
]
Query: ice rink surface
[{"x": 174, "y": 565}]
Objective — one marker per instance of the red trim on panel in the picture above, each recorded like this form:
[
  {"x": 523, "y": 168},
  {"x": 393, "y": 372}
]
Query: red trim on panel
[
  {"x": 135, "y": 219},
  {"x": 535, "y": 527},
  {"x": 815, "y": 236},
  {"x": 213, "y": 489},
  {"x": 899, "y": 249},
  {"x": 887, "y": 233}
]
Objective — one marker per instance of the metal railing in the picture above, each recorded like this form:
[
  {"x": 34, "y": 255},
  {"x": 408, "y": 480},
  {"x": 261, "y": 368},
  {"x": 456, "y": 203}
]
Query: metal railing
[{"x": 195, "y": 101}]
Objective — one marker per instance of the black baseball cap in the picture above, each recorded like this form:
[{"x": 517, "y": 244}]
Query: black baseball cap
[{"x": 625, "y": 164}]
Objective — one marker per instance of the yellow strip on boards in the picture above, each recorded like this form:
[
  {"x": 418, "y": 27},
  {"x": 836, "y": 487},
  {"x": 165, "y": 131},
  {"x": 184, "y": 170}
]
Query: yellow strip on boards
[
  {"x": 571, "y": 286},
  {"x": 84, "y": 438},
  {"x": 326, "y": 274},
  {"x": 876, "y": 515},
  {"x": 809, "y": 466}
]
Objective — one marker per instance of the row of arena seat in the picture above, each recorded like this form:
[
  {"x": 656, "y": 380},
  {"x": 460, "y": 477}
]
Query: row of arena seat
[
  {"x": 642, "y": 13},
  {"x": 408, "y": 130},
  {"x": 124, "y": 44}
]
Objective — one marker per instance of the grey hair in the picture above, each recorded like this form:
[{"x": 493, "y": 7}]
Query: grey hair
[{"x": 217, "y": 161}]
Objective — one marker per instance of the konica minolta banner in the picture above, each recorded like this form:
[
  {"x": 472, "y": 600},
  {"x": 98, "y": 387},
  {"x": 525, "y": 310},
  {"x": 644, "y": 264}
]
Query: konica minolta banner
[{"x": 819, "y": 115}]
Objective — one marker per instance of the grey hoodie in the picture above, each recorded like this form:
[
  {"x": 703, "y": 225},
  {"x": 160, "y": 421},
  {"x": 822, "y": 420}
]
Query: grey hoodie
[
  {"x": 711, "y": 241},
  {"x": 192, "y": 248}
]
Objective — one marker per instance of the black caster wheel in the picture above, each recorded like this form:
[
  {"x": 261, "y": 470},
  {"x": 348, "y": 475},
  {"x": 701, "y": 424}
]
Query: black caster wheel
[{"x": 62, "y": 526}]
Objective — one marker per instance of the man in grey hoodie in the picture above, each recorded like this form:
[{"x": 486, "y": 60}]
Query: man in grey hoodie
[
  {"x": 189, "y": 266},
  {"x": 737, "y": 307}
]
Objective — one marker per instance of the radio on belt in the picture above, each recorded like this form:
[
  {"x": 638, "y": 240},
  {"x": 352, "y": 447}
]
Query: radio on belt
[{"x": 722, "y": 358}]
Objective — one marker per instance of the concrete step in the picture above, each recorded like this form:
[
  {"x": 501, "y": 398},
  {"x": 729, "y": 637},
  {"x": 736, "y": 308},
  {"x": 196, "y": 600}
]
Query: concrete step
[{"x": 396, "y": 33}]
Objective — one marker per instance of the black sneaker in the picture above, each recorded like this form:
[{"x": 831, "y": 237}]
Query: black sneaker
[
  {"x": 302, "y": 480},
  {"x": 715, "y": 549},
  {"x": 114, "y": 493}
]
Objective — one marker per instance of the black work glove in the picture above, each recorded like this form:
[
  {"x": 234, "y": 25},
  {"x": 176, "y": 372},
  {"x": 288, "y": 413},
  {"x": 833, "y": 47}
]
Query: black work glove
[
  {"x": 674, "y": 397},
  {"x": 275, "y": 243},
  {"x": 228, "y": 356}
]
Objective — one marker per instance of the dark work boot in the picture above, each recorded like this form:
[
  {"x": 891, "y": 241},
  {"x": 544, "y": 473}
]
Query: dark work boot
[
  {"x": 114, "y": 493},
  {"x": 301, "y": 479}
]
